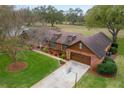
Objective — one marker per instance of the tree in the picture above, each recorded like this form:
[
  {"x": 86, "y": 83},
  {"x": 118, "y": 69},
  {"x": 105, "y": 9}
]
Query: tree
[
  {"x": 27, "y": 16},
  {"x": 80, "y": 17},
  {"x": 110, "y": 16},
  {"x": 75, "y": 15},
  {"x": 41, "y": 13},
  {"x": 48, "y": 14},
  {"x": 11, "y": 24},
  {"x": 5, "y": 13},
  {"x": 60, "y": 16},
  {"x": 71, "y": 16},
  {"x": 52, "y": 15}
]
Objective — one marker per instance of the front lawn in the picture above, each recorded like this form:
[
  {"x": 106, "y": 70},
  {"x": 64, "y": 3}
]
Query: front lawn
[
  {"x": 92, "y": 81},
  {"x": 39, "y": 66}
]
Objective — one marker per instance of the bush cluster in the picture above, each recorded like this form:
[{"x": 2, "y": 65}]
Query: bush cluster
[
  {"x": 108, "y": 67},
  {"x": 45, "y": 49},
  {"x": 114, "y": 48},
  {"x": 115, "y": 45},
  {"x": 108, "y": 59}
]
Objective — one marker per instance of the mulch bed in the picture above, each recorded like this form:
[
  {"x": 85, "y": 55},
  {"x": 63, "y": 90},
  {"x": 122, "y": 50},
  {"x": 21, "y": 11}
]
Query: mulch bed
[{"x": 17, "y": 66}]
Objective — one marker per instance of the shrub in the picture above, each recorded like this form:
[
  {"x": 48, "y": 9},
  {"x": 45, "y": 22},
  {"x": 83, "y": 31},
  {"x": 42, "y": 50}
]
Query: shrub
[
  {"x": 108, "y": 59},
  {"x": 45, "y": 49},
  {"x": 63, "y": 55},
  {"x": 113, "y": 50},
  {"x": 26, "y": 47},
  {"x": 115, "y": 45},
  {"x": 108, "y": 68}
]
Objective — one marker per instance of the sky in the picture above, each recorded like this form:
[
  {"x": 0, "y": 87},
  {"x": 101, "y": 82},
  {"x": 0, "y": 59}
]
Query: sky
[{"x": 62, "y": 7}]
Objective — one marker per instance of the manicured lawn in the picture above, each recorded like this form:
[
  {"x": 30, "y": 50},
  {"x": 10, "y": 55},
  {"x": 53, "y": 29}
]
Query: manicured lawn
[
  {"x": 92, "y": 81},
  {"x": 121, "y": 46},
  {"x": 39, "y": 66}
]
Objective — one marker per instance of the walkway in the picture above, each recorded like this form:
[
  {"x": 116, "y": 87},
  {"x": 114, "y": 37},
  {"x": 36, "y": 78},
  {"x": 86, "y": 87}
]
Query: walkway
[
  {"x": 50, "y": 55},
  {"x": 64, "y": 77}
]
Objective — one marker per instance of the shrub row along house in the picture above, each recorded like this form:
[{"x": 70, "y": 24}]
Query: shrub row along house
[{"x": 88, "y": 50}]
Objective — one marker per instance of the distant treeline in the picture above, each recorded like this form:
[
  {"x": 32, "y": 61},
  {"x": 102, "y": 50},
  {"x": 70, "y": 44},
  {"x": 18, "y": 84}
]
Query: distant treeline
[{"x": 49, "y": 14}]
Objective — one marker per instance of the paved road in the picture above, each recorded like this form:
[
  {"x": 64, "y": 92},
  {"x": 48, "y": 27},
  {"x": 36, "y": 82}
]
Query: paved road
[{"x": 64, "y": 77}]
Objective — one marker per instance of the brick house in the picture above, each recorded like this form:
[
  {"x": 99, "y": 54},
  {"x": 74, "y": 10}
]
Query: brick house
[
  {"x": 91, "y": 50},
  {"x": 88, "y": 50}
]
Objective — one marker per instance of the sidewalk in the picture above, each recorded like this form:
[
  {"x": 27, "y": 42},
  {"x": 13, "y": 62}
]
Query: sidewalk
[{"x": 50, "y": 55}]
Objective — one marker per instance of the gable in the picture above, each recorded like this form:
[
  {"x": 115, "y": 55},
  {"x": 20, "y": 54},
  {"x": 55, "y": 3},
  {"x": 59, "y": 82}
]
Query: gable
[
  {"x": 76, "y": 47},
  {"x": 98, "y": 43}
]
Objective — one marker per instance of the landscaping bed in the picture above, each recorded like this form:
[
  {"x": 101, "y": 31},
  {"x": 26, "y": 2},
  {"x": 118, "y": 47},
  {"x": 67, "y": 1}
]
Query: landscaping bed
[
  {"x": 38, "y": 67},
  {"x": 17, "y": 66}
]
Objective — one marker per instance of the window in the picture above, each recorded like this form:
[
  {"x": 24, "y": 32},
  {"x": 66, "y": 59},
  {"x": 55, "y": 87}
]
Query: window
[
  {"x": 52, "y": 45},
  {"x": 64, "y": 46},
  {"x": 80, "y": 45}
]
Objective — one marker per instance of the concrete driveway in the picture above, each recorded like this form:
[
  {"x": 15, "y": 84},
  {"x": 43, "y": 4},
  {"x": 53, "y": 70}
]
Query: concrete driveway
[{"x": 64, "y": 77}]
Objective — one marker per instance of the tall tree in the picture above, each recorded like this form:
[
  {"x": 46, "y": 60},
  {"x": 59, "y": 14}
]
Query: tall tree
[
  {"x": 27, "y": 15},
  {"x": 75, "y": 15},
  {"x": 80, "y": 16},
  {"x": 48, "y": 14},
  {"x": 12, "y": 22},
  {"x": 71, "y": 16},
  {"x": 5, "y": 13},
  {"x": 110, "y": 16},
  {"x": 41, "y": 13},
  {"x": 60, "y": 16},
  {"x": 52, "y": 15}
]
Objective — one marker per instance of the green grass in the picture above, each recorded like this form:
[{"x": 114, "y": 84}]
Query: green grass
[
  {"x": 92, "y": 81},
  {"x": 39, "y": 66},
  {"x": 85, "y": 31},
  {"x": 121, "y": 46}
]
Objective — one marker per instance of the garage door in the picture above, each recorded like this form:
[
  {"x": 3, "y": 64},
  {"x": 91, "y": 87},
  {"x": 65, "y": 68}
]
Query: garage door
[{"x": 81, "y": 58}]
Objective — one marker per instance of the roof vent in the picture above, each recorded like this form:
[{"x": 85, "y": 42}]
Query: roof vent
[{"x": 70, "y": 38}]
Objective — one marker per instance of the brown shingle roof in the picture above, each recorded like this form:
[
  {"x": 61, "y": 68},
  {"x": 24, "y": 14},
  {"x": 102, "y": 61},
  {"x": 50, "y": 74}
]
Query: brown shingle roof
[
  {"x": 62, "y": 39},
  {"x": 37, "y": 34},
  {"x": 97, "y": 43}
]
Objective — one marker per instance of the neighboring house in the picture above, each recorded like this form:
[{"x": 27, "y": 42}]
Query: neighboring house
[{"x": 88, "y": 50}]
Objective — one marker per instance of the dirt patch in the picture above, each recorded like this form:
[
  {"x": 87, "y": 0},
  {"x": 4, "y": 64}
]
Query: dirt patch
[{"x": 16, "y": 67}]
